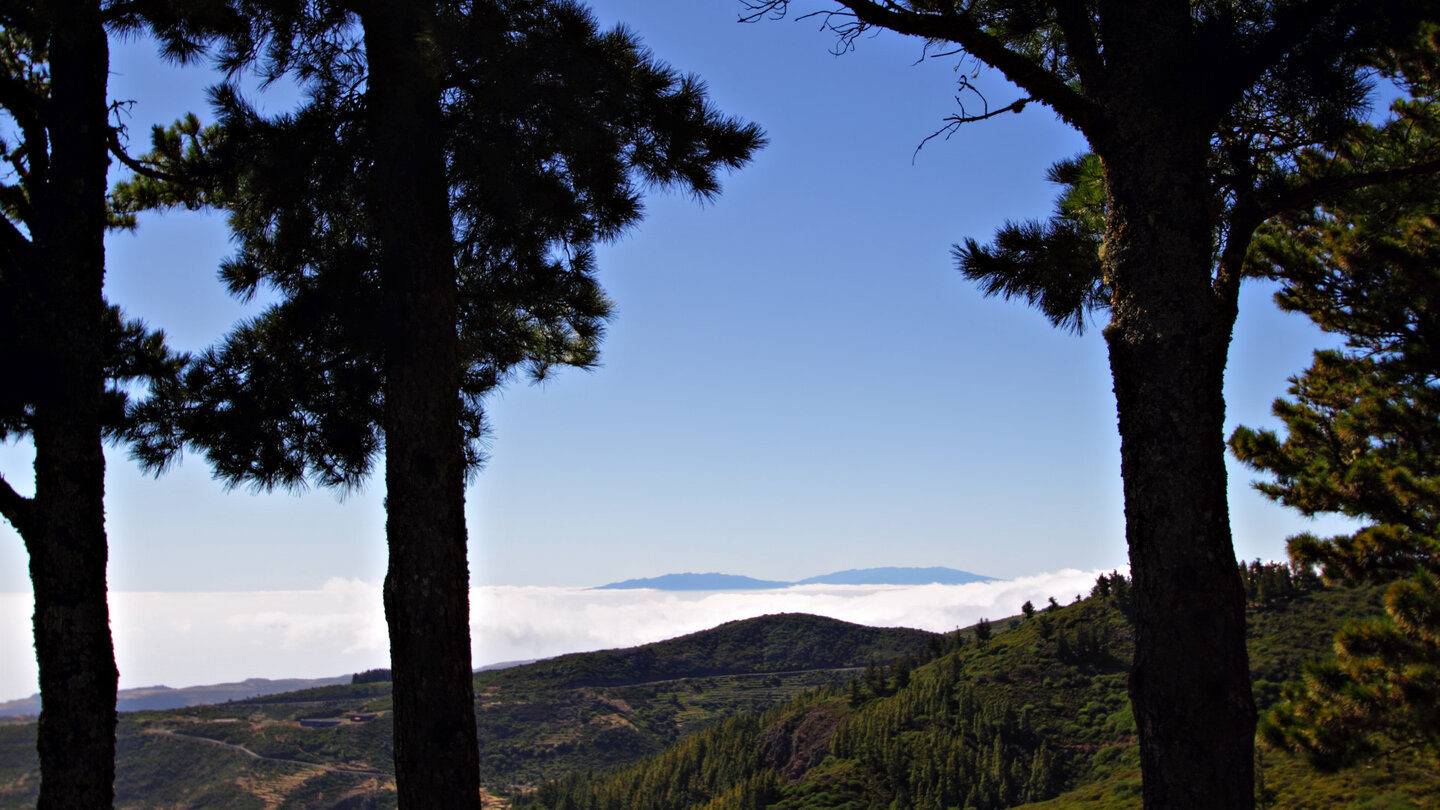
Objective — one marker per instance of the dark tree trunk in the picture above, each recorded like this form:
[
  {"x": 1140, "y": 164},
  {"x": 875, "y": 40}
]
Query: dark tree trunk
[
  {"x": 1190, "y": 682},
  {"x": 1168, "y": 339},
  {"x": 65, "y": 532},
  {"x": 427, "y": 586}
]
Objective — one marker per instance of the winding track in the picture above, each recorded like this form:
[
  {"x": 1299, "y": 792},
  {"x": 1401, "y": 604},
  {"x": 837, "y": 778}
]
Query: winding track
[{"x": 247, "y": 752}]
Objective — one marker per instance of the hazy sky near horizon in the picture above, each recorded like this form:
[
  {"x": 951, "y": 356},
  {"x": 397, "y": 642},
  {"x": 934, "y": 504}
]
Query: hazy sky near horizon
[
  {"x": 184, "y": 639},
  {"x": 797, "y": 380}
]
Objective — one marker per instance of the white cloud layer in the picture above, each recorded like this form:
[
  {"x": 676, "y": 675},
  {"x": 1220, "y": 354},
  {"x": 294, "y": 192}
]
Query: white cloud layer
[{"x": 183, "y": 639}]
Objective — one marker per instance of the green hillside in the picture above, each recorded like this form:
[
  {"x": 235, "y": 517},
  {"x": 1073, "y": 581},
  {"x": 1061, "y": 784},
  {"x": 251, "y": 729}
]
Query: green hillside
[
  {"x": 595, "y": 710},
  {"x": 786, "y": 712},
  {"x": 536, "y": 722},
  {"x": 778, "y": 643},
  {"x": 1035, "y": 716}
]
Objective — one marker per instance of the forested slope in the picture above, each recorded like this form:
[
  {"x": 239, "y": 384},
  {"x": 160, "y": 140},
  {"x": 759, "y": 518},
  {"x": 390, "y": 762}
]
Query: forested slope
[
  {"x": 535, "y": 722},
  {"x": 1035, "y": 715},
  {"x": 787, "y": 712}
]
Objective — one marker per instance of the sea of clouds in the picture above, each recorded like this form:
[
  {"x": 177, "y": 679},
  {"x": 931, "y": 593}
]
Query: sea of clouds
[{"x": 186, "y": 639}]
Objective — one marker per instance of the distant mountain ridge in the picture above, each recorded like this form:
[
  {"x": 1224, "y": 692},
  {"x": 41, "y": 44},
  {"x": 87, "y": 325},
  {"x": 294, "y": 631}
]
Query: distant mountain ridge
[
  {"x": 697, "y": 582},
  {"x": 150, "y": 698},
  {"x": 935, "y": 575}
]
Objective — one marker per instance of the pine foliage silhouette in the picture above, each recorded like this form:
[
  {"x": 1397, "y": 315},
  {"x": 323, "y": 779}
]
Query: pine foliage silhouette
[
  {"x": 428, "y": 218},
  {"x": 1361, "y": 439},
  {"x": 72, "y": 364},
  {"x": 1192, "y": 170}
]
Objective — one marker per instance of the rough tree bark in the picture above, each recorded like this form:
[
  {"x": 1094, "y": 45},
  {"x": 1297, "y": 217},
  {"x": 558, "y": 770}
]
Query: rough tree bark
[
  {"x": 64, "y": 529},
  {"x": 1168, "y": 339},
  {"x": 427, "y": 584}
]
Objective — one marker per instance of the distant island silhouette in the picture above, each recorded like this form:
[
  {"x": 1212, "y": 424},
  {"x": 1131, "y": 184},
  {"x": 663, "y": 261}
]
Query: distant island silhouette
[{"x": 860, "y": 576}]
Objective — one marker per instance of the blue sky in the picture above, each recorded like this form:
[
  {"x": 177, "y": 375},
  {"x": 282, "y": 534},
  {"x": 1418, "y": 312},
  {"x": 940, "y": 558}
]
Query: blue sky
[{"x": 797, "y": 381}]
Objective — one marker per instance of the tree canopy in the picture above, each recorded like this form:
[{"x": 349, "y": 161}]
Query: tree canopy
[
  {"x": 70, "y": 364},
  {"x": 553, "y": 131},
  {"x": 427, "y": 217},
  {"x": 1361, "y": 440}
]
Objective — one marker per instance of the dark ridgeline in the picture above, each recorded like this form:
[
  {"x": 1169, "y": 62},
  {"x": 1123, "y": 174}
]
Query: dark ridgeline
[
  {"x": 372, "y": 676},
  {"x": 863, "y": 576}
]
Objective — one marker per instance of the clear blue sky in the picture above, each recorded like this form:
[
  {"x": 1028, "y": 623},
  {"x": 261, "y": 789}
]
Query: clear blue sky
[{"x": 798, "y": 381}]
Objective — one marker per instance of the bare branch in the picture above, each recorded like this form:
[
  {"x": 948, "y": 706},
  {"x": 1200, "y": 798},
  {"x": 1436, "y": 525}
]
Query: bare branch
[
  {"x": 963, "y": 29},
  {"x": 954, "y": 122},
  {"x": 764, "y": 9}
]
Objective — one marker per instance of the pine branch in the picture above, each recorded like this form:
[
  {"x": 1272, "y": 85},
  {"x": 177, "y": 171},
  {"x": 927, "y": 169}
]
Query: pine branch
[
  {"x": 118, "y": 150},
  {"x": 964, "y": 30},
  {"x": 1073, "y": 18},
  {"x": 1244, "y": 65},
  {"x": 1242, "y": 222},
  {"x": 12, "y": 241},
  {"x": 961, "y": 28},
  {"x": 15, "y": 507},
  {"x": 19, "y": 100},
  {"x": 1243, "y": 218},
  {"x": 117, "y": 11},
  {"x": 1310, "y": 193}
]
